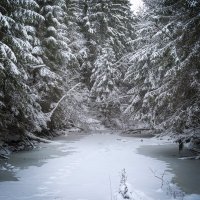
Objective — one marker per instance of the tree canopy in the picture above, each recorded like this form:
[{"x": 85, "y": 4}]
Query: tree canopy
[{"x": 144, "y": 66}]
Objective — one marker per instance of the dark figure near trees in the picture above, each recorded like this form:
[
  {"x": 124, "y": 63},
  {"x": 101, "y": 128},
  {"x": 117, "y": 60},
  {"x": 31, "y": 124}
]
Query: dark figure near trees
[{"x": 180, "y": 145}]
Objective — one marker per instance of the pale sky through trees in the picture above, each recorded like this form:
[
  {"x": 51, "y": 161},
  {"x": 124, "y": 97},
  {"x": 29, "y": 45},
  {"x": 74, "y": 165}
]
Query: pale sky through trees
[{"x": 136, "y": 4}]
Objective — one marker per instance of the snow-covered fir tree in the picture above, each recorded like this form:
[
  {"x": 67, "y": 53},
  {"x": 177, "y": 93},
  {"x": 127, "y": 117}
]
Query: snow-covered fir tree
[
  {"x": 37, "y": 65},
  {"x": 106, "y": 25},
  {"x": 124, "y": 189},
  {"x": 20, "y": 110},
  {"x": 105, "y": 78},
  {"x": 164, "y": 74},
  {"x": 62, "y": 44}
]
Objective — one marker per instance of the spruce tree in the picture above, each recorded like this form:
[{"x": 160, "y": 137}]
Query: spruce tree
[
  {"x": 62, "y": 44},
  {"x": 164, "y": 71},
  {"x": 105, "y": 78},
  {"x": 107, "y": 28},
  {"x": 20, "y": 111}
]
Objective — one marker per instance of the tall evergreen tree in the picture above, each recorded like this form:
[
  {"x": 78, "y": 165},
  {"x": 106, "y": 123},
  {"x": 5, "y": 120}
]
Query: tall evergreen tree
[
  {"x": 105, "y": 78},
  {"x": 107, "y": 26},
  {"x": 164, "y": 73},
  {"x": 20, "y": 110},
  {"x": 62, "y": 44}
]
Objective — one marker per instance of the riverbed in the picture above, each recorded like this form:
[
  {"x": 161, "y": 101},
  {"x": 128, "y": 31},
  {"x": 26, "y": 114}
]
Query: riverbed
[{"x": 88, "y": 167}]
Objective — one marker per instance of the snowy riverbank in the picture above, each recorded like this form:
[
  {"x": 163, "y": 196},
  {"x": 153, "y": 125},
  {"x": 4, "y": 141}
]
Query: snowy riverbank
[{"x": 88, "y": 167}]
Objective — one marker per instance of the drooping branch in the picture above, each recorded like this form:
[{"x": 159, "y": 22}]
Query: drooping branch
[
  {"x": 37, "y": 66},
  {"x": 49, "y": 115}
]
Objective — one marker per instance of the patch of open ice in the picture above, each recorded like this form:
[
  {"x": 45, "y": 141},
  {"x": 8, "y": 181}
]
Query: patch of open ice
[{"x": 192, "y": 197}]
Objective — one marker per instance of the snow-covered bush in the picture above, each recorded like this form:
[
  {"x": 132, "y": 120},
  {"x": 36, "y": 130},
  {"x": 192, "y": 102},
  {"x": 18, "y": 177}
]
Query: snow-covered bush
[{"x": 124, "y": 190}]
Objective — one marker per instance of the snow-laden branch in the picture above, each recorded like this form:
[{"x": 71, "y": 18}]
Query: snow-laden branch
[
  {"x": 120, "y": 61},
  {"x": 37, "y": 66},
  {"x": 49, "y": 115}
]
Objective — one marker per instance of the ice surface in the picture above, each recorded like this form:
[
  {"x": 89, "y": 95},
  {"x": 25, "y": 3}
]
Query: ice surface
[{"x": 85, "y": 168}]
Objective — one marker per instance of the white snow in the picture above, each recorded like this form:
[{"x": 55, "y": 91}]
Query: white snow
[
  {"x": 86, "y": 167},
  {"x": 136, "y": 4}
]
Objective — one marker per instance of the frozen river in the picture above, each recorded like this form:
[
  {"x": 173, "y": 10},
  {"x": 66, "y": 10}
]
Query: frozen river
[{"x": 88, "y": 167}]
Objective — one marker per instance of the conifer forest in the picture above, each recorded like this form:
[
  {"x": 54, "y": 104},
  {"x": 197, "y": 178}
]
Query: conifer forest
[{"x": 68, "y": 64}]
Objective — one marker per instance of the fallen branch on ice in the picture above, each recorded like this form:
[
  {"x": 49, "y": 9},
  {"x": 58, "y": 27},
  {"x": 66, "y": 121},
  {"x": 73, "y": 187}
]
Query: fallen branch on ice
[
  {"x": 191, "y": 158},
  {"x": 195, "y": 150},
  {"x": 4, "y": 156},
  {"x": 139, "y": 129},
  {"x": 33, "y": 137}
]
